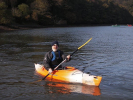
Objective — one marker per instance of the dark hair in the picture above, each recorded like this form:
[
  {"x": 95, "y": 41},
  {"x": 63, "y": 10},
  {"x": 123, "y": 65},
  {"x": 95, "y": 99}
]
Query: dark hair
[{"x": 55, "y": 42}]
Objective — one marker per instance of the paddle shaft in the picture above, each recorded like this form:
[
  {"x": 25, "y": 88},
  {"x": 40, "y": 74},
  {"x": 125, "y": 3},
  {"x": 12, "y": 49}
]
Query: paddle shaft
[
  {"x": 66, "y": 58},
  {"x": 55, "y": 68}
]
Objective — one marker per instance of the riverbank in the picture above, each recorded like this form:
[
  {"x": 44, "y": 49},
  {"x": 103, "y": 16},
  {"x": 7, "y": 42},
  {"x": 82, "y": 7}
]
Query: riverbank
[
  {"x": 5, "y": 28},
  {"x": 33, "y": 26},
  {"x": 19, "y": 27}
]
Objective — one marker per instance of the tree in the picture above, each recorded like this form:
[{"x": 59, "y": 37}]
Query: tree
[
  {"x": 40, "y": 12},
  {"x": 13, "y": 3},
  {"x": 24, "y": 9},
  {"x": 5, "y": 15},
  {"x": 22, "y": 12}
]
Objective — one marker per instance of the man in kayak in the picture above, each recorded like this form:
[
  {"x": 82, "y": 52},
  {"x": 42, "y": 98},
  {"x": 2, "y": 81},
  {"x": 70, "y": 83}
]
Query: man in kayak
[{"x": 54, "y": 57}]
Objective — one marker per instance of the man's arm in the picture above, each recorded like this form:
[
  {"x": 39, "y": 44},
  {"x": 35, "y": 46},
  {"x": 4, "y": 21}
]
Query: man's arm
[{"x": 47, "y": 61}]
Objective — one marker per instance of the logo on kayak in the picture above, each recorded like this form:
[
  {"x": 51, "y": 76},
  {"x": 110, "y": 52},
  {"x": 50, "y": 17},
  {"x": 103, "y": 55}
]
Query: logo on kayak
[{"x": 53, "y": 75}]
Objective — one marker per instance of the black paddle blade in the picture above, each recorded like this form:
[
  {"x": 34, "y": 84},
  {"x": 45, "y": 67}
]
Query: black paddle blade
[{"x": 45, "y": 77}]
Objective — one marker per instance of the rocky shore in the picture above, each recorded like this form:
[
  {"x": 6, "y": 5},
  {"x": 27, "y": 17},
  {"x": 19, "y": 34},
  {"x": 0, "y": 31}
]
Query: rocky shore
[
  {"x": 4, "y": 28},
  {"x": 32, "y": 26},
  {"x": 17, "y": 27}
]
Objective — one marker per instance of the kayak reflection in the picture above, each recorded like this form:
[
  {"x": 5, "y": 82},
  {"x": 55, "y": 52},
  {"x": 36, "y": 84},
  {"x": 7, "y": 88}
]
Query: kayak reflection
[{"x": 67, "y": 88}]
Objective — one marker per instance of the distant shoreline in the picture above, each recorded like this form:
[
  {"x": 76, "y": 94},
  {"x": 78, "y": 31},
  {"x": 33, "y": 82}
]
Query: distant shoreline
[
  {"x": 18, "y": 27},
  {"x": 4, "y": 28}
]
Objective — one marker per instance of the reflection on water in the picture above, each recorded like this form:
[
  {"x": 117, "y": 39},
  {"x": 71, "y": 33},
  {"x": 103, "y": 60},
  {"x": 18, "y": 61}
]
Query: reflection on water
[{"x": 67, "y": 88}]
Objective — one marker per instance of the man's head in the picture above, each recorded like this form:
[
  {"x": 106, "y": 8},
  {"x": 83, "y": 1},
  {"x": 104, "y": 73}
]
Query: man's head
[{"x": 55, "y": 45}]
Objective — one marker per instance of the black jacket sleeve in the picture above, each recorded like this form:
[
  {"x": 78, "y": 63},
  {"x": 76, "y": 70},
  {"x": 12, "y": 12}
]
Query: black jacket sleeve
[
  {"x": 47, "y": 59},
  {"x": 64, "y": 57}
]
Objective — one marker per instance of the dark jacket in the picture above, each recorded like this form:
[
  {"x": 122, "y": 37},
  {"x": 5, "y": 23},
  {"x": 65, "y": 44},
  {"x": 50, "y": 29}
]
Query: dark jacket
[{"x": 51, "y": 61}]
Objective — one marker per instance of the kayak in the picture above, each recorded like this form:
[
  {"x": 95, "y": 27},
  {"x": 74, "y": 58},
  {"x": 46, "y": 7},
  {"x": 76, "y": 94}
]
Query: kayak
[
  {"x": 129, "y": 25},
  {"x": 115, "y": 25},
  {"x": 69, "y": 74}
]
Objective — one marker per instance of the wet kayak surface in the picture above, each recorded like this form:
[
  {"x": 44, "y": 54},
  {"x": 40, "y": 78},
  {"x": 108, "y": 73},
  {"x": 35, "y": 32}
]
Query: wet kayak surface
[{"x": 109, "y": 54}]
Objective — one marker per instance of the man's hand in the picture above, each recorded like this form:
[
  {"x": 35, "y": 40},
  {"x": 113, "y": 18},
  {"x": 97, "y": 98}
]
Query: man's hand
[
  {"x": 50, "y": 70},
  {"x": 68, "y": 57}
]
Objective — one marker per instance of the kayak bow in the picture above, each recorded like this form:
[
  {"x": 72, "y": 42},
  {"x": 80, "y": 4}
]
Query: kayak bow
[{"x": 69, "y": 74}]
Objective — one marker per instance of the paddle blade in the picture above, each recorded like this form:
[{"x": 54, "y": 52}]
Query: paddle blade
[
  {"x": 84, "y": 44},
  {"x": 45, "y": 77}
]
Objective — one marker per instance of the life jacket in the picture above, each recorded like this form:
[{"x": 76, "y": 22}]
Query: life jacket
[{"x": 56, "y": 59}]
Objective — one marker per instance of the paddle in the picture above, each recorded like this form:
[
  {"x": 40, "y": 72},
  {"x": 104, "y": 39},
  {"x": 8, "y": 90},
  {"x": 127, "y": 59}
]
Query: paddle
[{"x": 66, "y": 58}]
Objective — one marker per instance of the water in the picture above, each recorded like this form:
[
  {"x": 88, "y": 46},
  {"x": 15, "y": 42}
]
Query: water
[{"x": 109, "y": 54}]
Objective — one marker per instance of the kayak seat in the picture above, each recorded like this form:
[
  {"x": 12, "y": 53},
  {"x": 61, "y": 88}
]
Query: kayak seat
[{"x": 69, "y": 68}]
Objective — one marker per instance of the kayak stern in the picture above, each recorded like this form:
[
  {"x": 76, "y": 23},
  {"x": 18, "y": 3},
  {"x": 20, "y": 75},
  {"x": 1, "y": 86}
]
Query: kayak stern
[{"x": 91, "y": 79}]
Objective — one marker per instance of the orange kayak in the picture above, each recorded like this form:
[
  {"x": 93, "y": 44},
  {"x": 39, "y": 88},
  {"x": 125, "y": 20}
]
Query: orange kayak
[{"x": 69, "y": 74}]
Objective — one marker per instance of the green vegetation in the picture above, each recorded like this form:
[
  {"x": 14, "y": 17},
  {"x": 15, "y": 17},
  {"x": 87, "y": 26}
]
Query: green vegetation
[
  {"x": 5, "y": 15},
  {"x": 70, "y": 12}
]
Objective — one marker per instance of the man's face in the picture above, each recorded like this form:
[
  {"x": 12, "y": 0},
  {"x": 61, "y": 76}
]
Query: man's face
[{"x": 55, "y": 47}]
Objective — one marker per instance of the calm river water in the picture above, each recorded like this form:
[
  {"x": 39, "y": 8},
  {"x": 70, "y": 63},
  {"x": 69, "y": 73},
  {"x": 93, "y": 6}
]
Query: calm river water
[{"x": 109, "y": 54}]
